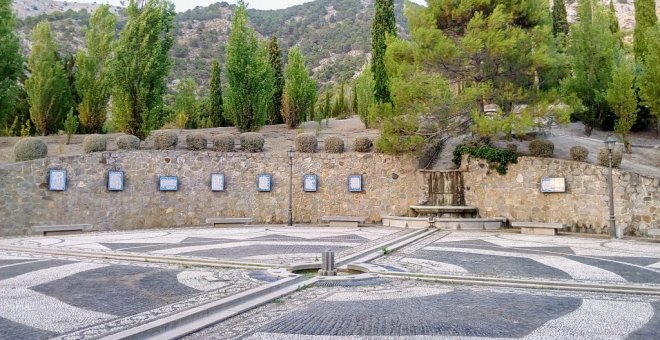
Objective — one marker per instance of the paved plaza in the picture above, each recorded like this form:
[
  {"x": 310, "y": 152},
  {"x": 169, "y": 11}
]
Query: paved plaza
[{"x": 420, "y": 284}]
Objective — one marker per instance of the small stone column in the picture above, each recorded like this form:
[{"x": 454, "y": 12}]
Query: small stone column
[{"x": 328, "y": 264}]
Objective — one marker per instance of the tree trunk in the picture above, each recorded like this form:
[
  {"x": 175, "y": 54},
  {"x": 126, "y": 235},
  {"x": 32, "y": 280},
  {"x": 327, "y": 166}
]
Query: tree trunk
[{"x": 588, "y": 128}]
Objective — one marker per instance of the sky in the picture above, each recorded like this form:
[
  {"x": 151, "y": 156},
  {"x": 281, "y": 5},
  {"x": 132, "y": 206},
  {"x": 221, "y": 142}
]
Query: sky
[{"x": 183, "y": 5}]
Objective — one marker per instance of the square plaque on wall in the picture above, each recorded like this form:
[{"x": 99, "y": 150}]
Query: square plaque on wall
[
  {"x": 310, "y": 183},
  {"x": 57, "y": 180},
  {"x": 550, "y": 185},
  {"x": 217, "y": 182},
  {"x": 355, "y": 183},
  {"x": 168, "y": 183},
  {"x": 263, "y": 183},
  {"x": 115, "y": 180}
]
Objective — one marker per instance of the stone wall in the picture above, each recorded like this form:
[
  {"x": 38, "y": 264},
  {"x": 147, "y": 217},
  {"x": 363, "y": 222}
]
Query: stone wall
[
  {"x": 391, "y": 184},
  {"x": 585, "y": 205}
]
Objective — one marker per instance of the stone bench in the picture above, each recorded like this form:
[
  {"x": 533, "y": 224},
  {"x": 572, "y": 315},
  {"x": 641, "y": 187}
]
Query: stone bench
[
  {"x": 653, "y": 233},
  {"x": 46, "y": 230},
  {"x": 344, "y": 221},
  {"x": 443, "y": 211},
  {"x": 224, "y": 221},
  {"x": 538, "y": 228}
]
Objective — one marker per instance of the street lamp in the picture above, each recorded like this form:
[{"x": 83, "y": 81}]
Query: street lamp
[
  {"x": 611, "y": 142},
  {"x": 290, "y": 152}
]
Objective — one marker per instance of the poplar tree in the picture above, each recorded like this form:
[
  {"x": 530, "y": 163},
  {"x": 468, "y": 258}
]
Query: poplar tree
[
  {"x": 11, "y": 62},
  {"x": 645, "y": 18},
  {"x": 185, "y": 105},
  {"x": 249, "y": 75},
  {"x": 300, "y": 90},
  {"x": 141, "y": 65},
  {"x": 622, "y": 98},
  {"x": 384, "y": 24},
  {"x": 275, "y": 105},
  {"x": 559, "y": 18},
  {"x": 215, "y": 105},
  {"x": 592, "y": 49},
  {"x": 92, "y": 80},
  {"x": 649, "y": 80},
  {"x": 47, "y": 89}
]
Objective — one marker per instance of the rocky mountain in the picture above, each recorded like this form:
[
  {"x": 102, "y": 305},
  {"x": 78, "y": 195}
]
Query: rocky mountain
[{"x": 334, "y": 35}]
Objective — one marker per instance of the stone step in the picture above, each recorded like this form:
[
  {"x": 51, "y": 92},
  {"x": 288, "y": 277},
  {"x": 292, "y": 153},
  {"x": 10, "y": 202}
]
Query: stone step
[{"x": 46, "y": 230}]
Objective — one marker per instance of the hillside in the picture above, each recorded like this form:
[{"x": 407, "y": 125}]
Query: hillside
[{"x": 333, "y": 34}]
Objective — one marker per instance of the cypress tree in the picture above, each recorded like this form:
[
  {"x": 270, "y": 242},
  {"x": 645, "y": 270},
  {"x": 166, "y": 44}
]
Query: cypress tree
[
  {"x": 275, "y": 105},
  {"x": 622, "y": 98},
  {"x": 11, "y": 62},
  {"x": 300, "y": 89},
  {"x": 215, "y": 105},
  {"x": 614, "y": 22},
  {"x": 645, "y": 18},
  {"x": 559, "y": 18},
  {"x": 384, "y": 23},
  {"x": 249, "y": 75},
  {"x": 47, "y": 89}
]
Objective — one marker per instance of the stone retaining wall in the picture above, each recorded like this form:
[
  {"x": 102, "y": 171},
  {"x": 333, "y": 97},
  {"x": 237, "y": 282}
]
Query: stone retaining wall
[
  {"x": 585, "y": 205},
  {"x": 391, "y": 184}
]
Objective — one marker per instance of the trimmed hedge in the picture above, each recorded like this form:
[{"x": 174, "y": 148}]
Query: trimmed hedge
[
  {"x": 500, "y": 158},
  {"x": 128, "y": 142},
  {"x": 306, "y": 143},
  {"x": 28, "y": 149},
  {"x": 617, "y": 157},
  {"x": 223, "y": 143},
  {"x": 362, "y": 144},
  {"x": 579, "y": 153},
  {"x": 165, "y": 140},
  {"x": 541, "y": 148},
  {"x": 252, "y": 142},
  {"x": 333, "y": 144},
  {"x": 196, "y": 141},
  {"x": 95, "y": 143}
]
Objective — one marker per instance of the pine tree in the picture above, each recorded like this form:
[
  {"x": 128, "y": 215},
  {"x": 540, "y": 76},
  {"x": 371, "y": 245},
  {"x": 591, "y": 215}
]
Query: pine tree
[
  {"x": 645, "y": 18},
  {"x": 559, "y": 18},
  {"x": 300, "y": 89},
  {"x": 215, "y": 105},
  {"x": 92, "y": 80},
  {"x": 275, "y": 105},
  {"x": 384, "y": 24},
  {"x": 141, "y": 65},
  {"x": 622, "y": 98},
  {"x": 47, "y": 88},
  {"x": 592, "y": 48},
  {"x": 11, "y": 62},
  {"x": 649, "y": 80},
  {"x": 250, "y": 79}
]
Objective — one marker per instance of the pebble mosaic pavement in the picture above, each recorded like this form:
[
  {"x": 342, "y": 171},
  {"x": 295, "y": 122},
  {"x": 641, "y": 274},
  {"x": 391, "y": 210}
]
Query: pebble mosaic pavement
[{"x": 63, "y": 296}]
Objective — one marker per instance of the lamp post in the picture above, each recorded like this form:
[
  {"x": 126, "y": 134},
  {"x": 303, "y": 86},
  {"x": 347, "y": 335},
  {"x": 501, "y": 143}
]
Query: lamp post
[
  {"x": 290, "y": 153},
  {"x": 611, "y": 142}
]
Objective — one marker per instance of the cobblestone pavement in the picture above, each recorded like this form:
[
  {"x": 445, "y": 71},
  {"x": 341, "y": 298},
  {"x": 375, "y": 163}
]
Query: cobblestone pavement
[
  {"x": 64, "y": 296},
  {"x": 534, "y": 257}
]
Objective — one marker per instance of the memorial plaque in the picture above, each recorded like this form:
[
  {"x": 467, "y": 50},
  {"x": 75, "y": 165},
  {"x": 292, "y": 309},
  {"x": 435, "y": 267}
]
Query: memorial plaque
[
  {"x": 263, "y": 183},
  {"x": 355, "y": 183},
  {"x": 169, "y": 183},
  {"x": 310, "y": 183},
  {"x": 115, "y": 180},
  {"x": 550, "y": 185},
  {"x": 57, "y": 180},
  {"x": 217, "y": 182}
]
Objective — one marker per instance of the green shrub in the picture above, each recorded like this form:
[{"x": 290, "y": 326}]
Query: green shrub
[
  {"x": 617, "y": 157},
  {"x": 165, "y": 140},
  {"x": 333, "y": 144},
  {"x": 306, "y": 143},
  {"x": 499, "y": 158},
  {"x": 95, "y": 143},
  {"x": 541, "y": 148},
  {"x": 362, "y": 144},
  {"x": 28, "y": 149},
  {"x": 196, "y": 141},
  {"x": 513, "y": 147},
  {"x": 252, "y": 142},
  {"x": 579, "y": 153},
  {"x": 128, "y": 142},
  {"x": 223, "y": 143}
]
